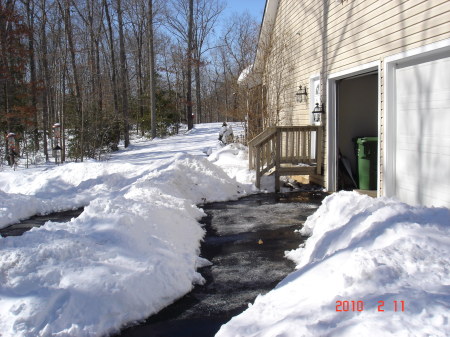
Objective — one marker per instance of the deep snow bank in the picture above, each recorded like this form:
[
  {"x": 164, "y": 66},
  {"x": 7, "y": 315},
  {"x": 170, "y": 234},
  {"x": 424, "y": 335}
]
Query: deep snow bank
[
  {"x": 233, "y": 159},
  {"x": 383, "y": 255},
  {"x": 131, "y": 252},
  {"x": 25, "y": 193}
]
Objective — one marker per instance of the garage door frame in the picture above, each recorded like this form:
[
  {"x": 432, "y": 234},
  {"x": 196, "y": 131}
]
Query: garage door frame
[
  {"x": 331, "y": 131},
  {"x": 418, "y": 55}
]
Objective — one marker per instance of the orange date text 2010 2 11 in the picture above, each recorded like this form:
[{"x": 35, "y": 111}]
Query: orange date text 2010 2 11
[{"x": 344, "y": 306}]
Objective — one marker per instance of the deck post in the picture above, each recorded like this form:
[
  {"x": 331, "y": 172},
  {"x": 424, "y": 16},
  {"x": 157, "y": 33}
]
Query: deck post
[
  {"x": 258, "y": 168},
  {"x": 277, "y": 161}
]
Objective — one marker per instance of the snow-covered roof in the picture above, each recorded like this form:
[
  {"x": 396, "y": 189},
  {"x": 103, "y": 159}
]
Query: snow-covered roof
[
  {"x": 244, "y": 74},
  {"x": 248, "y": 77}
]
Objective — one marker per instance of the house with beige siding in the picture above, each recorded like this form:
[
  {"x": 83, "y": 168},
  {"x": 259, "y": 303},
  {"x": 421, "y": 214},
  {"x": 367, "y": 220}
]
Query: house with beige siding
[{"x": 378, "y": 71}]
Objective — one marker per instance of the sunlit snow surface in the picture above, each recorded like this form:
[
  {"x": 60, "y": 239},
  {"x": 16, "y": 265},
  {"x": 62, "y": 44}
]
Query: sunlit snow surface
[
  {"x": 366, "y": 261},
  {"x": 135, "y": 249}
]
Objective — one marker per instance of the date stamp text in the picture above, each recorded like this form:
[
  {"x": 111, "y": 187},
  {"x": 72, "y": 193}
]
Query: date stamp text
[{"x": 344, "y": 306}]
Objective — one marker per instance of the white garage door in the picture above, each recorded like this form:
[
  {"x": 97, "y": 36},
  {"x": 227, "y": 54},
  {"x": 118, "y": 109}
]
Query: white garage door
[{"x": 422, "y": 151}]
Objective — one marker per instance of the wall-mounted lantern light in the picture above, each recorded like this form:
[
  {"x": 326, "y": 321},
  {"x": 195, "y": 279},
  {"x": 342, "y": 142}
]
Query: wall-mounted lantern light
[
  {"x": 318, "y": 111},
  {"x": 301, "y": 93}
]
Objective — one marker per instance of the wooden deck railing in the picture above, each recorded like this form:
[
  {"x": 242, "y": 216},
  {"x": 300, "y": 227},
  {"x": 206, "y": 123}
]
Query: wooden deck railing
[{"x": 288, "y": 150}]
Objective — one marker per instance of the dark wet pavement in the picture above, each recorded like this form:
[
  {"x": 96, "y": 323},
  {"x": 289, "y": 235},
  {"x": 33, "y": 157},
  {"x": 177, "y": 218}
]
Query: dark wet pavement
[
  {"x": 246, "y": 240},
  {"x": 39, "y": 220}
]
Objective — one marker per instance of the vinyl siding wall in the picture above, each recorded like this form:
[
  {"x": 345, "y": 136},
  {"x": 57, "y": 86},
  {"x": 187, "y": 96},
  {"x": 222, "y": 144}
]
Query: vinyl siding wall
[{"x": 330, "y": 36}]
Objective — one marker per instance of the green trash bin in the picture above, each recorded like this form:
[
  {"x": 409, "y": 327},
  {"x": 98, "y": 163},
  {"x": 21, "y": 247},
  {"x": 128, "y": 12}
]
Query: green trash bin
[{"x": 367, "y": 153}]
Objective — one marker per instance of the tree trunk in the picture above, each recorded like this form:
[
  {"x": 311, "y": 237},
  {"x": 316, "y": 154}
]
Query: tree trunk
[
  {"x": 124, "y": 79},
  {"x": 79, "y": 106},
  {"x": 197, "y": 90},
  {"x": 139, "y": 79},
  {"x": 30, "y": 18},
  {"x": 167, "y": 71},
  {"x": 46, "y": 94},
  {"x": 189, "y": 66},
  {"x": 152, "y": 67},
  {"x": 113, "y": 72},
  {"x": 62, "y": 119}
]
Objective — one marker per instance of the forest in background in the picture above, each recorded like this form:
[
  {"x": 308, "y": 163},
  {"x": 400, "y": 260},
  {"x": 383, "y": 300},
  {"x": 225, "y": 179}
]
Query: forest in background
[{"x": 105, "y": 68}]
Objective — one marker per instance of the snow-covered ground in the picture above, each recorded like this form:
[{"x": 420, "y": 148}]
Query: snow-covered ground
[
  {"x": 372, "y": 267},
  {"x": 133, "y": 250}
]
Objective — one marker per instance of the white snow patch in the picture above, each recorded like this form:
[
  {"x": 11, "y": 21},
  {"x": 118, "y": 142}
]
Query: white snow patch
[
  {"x": 376, "y": 251},
  {"x": 133, "y": 250}
]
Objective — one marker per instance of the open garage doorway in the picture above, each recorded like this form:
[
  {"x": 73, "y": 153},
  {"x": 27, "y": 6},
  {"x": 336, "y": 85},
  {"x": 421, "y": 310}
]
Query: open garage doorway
[{"x": 357, "y": 131}]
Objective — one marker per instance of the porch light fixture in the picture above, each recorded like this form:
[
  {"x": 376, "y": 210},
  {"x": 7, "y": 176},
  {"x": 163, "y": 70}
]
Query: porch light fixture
[
  {"x": 300, "y": 93},
  {"x": 318, "y": 111}
]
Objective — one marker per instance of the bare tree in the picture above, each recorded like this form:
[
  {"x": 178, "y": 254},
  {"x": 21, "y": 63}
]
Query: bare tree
[
  {"x": 189, "y": 65},
  {"x": 124, "y": 75},
  {"x": 113, "y": 63},
  {"x": 230, "y": 59},
  {"x": 192, "y": 22},
  {"x": 277, "y": 66},
  {"x": 30, "y": 12},
  {"x": 151, "y": 56},
  {"x": 137, "y": 17},
  {"x": 207, "y": 13},
  {"x": 46, "y": 75}
]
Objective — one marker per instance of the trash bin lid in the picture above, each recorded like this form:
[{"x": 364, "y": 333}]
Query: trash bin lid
[{"x": 362, "y": 140}]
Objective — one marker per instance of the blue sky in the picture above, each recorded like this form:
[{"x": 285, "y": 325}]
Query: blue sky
[{"x": 254, "y": 7}]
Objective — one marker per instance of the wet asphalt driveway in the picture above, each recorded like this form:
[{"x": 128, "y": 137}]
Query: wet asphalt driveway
[
  {"x": 245, "y": 241},
  {"x": 38, "y": 221}
]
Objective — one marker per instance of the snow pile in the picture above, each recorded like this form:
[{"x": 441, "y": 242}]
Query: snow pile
[
  {"x": 15, "y": 207},
  {"x": 233, "y": 159},
  {"x": 372, "y": 267},
  {"x": 133, "y": 250},
  {"x": 70, "y": 186}
]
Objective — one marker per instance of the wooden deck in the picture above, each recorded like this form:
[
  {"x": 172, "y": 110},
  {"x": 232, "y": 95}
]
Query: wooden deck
[{"x": 286, "y": 151}]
